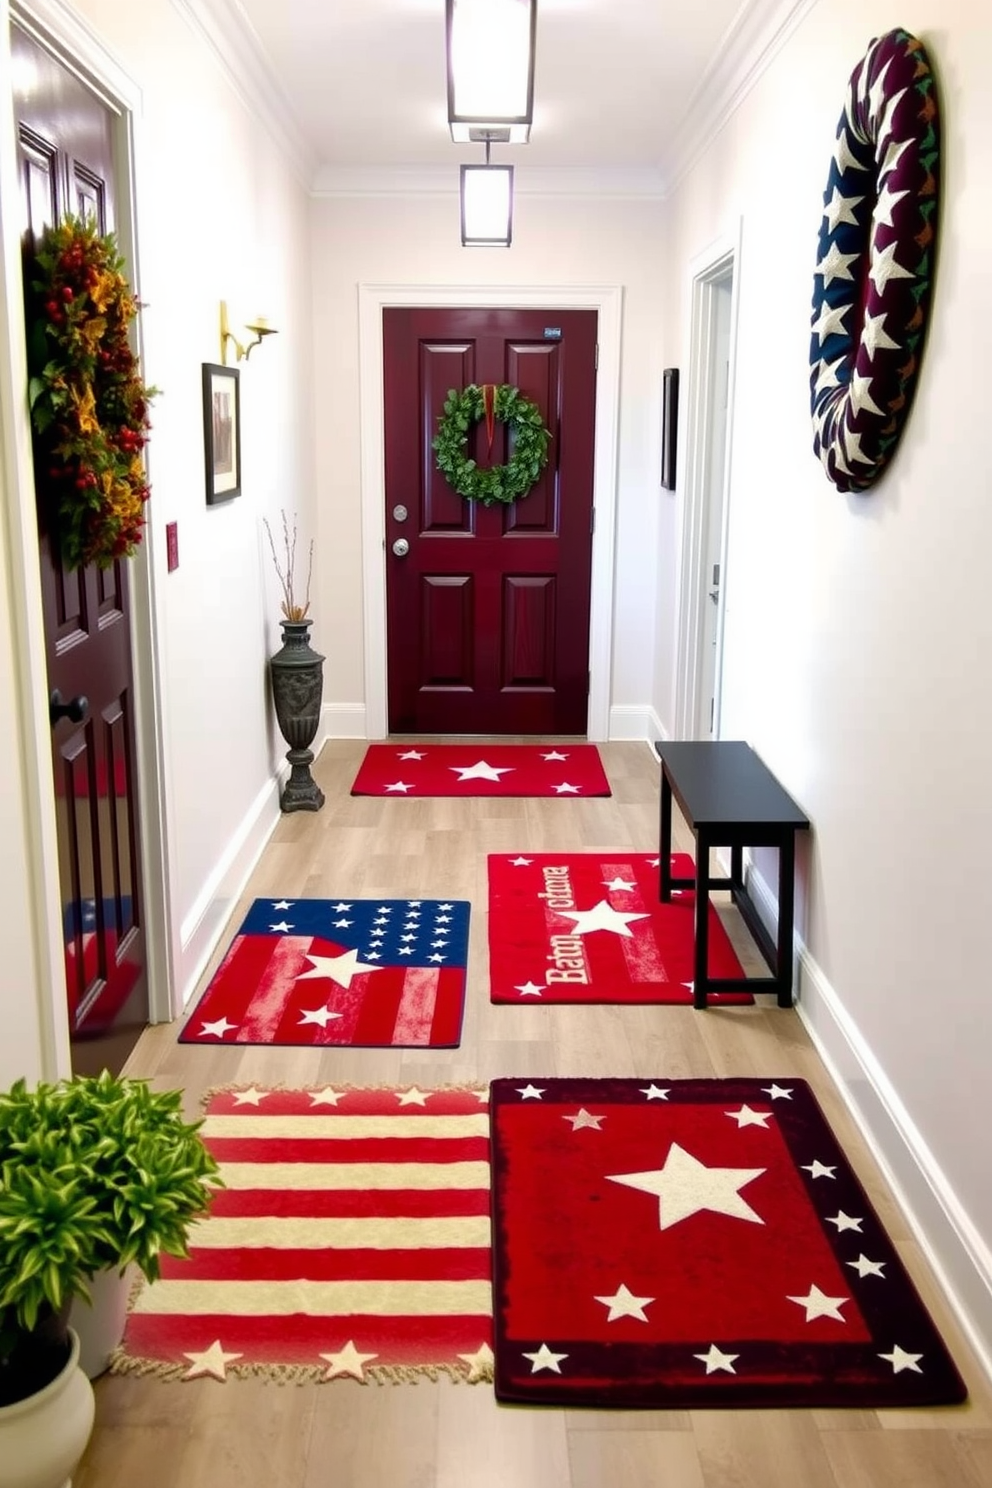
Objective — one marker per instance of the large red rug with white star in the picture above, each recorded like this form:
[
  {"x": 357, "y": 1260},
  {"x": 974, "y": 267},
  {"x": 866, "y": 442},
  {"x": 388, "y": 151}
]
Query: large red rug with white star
[
  {"x": 370, "y": 973},
  {"x": 589, "y": 927},
  {"x": 693, "y": 1243},
  {"x": 351, "y": 1242},
  {"x": 481, "y": 769}
]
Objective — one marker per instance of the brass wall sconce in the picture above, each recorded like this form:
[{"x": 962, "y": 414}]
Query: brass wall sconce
[{"x": 258, "y": 328}]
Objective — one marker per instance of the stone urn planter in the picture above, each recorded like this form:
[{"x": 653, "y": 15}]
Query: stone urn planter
[
  {"x": 43, "y": 1436},
  {"x": 297, "y": 673}
]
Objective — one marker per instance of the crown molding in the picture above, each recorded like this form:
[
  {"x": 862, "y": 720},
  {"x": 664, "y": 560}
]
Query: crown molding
[
  {"x": 757, "y": 33},
  {"x": 80, "y": 49},
  {"x": 442, "y": 180},
  {"x": 225, "y": 28}
]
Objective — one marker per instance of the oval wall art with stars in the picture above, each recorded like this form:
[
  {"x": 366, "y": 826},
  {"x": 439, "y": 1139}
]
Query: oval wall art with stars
[{"x": 875, "y": 261}]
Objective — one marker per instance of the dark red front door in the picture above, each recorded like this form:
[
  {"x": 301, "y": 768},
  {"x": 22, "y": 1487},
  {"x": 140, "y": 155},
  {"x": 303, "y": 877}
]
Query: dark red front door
[
  {"x": 488, "y": 610},
  {"x": 66, "y": 165}
]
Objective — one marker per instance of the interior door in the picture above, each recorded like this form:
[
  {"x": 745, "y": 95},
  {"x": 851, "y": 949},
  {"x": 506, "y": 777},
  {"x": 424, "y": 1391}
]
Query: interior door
[
  {"x": 716, "y": 413},
  {"x": 66, "y": 165},
  {"x": 488, "y": 607}
]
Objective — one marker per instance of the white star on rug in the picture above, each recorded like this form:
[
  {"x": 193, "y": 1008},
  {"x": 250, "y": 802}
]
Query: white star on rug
[
  {"x": 618, "y": 884},
  {"x": 414, "y": 754},
  {"x": 399, "y": 785},
  {"x": 520, "y": 862},
  {"x": 321, "y": 1016},
  {"x": 554, "y": 755},
  {"x": 601, "y": 917},
  {"x": 844, "y": 1222},
  {"x": 340, "y": 908},
  {"x": 212, "y": 1361},
  {"x": 655, "y": 1092},
  {"x": 685, "y": 1186},
  {"x": 545, "y": 1359},
  {"x": 715, "y": 1359},
  {"x": 816, "y": 1169},
  {"x": 347, "y": 1361},
  {"x": 818, "y": 1304},
  {"x": 482, "y": 1096},
  {"x": 746, "y": 1117},
  {"x": 412, "y": 1097},
  {"x": 326, "y": 1097},
  {"x": 623, "y": 1303},
  {"x": 582, "y": 1118},
  {"x": 900, "y": 1360},
  {"x": 340, "y": 969},
  {"x": 216, "y": 1030},
  {"x": 480, "y": 1364},
  {"x": 480, "y": 771},
  {"x": 865, "y": 1267},
  {"x": 282, "y": 925},
  {"x": 565, "y": 789},
  {"x": 250, "y": 1097},
  {"x": 530, "y": 1092},
  {"x": 530, "y": 989},
  {"x": 777, "y": 1092},
  {"x": 283, "y": 903}
]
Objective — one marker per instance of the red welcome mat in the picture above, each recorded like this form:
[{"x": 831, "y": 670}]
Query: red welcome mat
[
  {"x": 365, "y": 972},
  {"x": 681, "y": 1244},
  {"x": 588, "y": 927},
  {"x": 351, "y": 1241},
  {"x": 480, "y": 769}
]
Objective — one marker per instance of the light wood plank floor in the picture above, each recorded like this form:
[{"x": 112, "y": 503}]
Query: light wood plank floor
[{"x": 253, "y": 1434}]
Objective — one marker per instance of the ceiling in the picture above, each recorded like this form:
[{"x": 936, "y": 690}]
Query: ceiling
[{"x": 360, "y": 84}]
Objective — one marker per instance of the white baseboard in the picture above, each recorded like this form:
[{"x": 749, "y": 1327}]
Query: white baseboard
[
  {"x": 631, "y": 723},
  {"x": 343, "y": 721},
  {"x": 958, "y": 1255}
]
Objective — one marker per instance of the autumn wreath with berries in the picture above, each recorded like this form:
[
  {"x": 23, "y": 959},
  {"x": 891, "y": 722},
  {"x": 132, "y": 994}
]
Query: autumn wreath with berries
[
  {"x": 89, "y": 406},
  {"x": 530, "y": 440}
]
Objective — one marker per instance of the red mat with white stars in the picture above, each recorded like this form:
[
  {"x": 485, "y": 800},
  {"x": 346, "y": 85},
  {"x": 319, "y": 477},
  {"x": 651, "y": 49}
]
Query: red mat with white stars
[
  {"x": 481, "y": 769},
  {"x": 370, "y": 973},
  {"x": 588, "y": 927},
  {"x": 351, "y": 1241},
  {"x": 681, "y": 1244}
]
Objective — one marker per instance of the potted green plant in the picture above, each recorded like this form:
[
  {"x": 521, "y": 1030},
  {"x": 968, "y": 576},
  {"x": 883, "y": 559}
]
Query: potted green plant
[{"x": 97, "y": 1173}]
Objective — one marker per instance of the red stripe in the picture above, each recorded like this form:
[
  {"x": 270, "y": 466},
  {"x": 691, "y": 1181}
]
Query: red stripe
[
  {"x": 266, "y": 1264},
  {"x": 349, "y": 1203},
  {"x": 358, "y": 1150},
  {"x": 449, "y": 1009},
  {"x": 377, "y": 1014}
]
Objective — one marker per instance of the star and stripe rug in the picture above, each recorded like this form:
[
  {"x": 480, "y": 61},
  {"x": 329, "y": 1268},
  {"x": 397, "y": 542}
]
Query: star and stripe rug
[
  {"x": 351, "y": 1241},
  {"x": 588, "y": 927},
  {"x": 683, "y": 1244},
  {"x": 369, "y": 973},
  {"x": 408, "y": 771}
]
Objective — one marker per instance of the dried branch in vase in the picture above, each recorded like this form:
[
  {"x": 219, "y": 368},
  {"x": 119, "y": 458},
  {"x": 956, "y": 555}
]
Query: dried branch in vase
[{"x": 286, "y": 570}]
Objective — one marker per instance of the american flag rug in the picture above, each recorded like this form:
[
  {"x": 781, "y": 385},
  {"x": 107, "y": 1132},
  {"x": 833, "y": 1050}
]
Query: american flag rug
[
  {"x": 406, "y": 771},
  {"x": 365, "y": 972},
  {"x": 680, "y": 1244},
  {"x": 351, "y": 1242},
  {"x": 588, "y": 927}
]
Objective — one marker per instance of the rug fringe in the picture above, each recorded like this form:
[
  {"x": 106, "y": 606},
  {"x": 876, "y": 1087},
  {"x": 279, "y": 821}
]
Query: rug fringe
[{"x": 122, "y": 1363}]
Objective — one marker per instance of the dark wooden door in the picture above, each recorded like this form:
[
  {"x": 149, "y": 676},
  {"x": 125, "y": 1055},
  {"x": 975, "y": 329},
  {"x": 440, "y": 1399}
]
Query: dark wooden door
[
  {"x": 488, "y": 611},
  {"x": 66, "y": 165}
]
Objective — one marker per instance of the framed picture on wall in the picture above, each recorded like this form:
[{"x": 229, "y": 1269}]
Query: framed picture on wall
[
  {"x": 221, "y": 431},
  {"x": 669, "y": 425}
]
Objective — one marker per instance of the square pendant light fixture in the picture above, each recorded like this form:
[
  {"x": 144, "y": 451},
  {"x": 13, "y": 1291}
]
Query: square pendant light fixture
[
  {"x": 487, "y": 205},
  {"x": 490, "y": 45}
]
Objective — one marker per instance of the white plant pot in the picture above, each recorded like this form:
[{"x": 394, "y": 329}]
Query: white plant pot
[
  {"x": 100, "y": 1323},
  {"x": 43, "y": 1438}
]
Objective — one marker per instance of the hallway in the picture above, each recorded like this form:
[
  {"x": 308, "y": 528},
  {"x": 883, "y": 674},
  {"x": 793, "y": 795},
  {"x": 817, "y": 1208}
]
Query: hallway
[{"x": 254, "y": 1434}]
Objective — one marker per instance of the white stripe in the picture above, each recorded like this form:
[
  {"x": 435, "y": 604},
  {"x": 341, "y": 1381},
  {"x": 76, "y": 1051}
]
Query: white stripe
[
  {"x": 346, "y": 1127},
  {"x": 344, "y": 1176},
  {"x": 315, "y": 1298},
  {"x": 290, "y": 1233}
]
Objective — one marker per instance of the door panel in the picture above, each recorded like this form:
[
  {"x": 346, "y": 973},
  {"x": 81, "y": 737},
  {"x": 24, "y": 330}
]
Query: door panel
[
  {"x": 66, "y": 165},
  {"x": 488, "y": 612}
]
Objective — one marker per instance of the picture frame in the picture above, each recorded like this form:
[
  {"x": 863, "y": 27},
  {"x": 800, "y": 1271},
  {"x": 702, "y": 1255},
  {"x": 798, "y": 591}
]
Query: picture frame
[
  {"x": 669, "y": 426},
  {"x": 221, "y": 432}
]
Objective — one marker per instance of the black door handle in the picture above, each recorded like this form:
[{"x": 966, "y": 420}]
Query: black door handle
[{"x": 76, "y": 709}]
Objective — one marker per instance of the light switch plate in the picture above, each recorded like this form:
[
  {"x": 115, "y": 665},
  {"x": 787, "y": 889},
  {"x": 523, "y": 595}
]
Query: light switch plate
[{"x": 172, "y": 544}]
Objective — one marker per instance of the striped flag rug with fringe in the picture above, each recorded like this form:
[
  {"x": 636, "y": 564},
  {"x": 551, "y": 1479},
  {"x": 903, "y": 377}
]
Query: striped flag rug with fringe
[{"x": 351, "y": 1240}]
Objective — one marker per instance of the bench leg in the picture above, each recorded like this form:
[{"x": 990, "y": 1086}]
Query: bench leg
[
  {"x": 702, "y": 923},
  {"x": 665, "y": 847},
  {"x": 786, "y": 912}
]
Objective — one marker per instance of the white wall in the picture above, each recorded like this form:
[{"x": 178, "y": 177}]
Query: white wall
[
  {"x": 858, "y": 626},
  {"x": 415, "y": 241},
  {"x": 221, "y": 214}
]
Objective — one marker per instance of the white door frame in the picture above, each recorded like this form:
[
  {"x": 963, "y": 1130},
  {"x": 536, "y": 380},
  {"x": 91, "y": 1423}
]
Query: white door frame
[
  {"x": 59, "y": 27},
  {"x": 706, "y": 271},
  {"x": 372, "y": 300}
]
